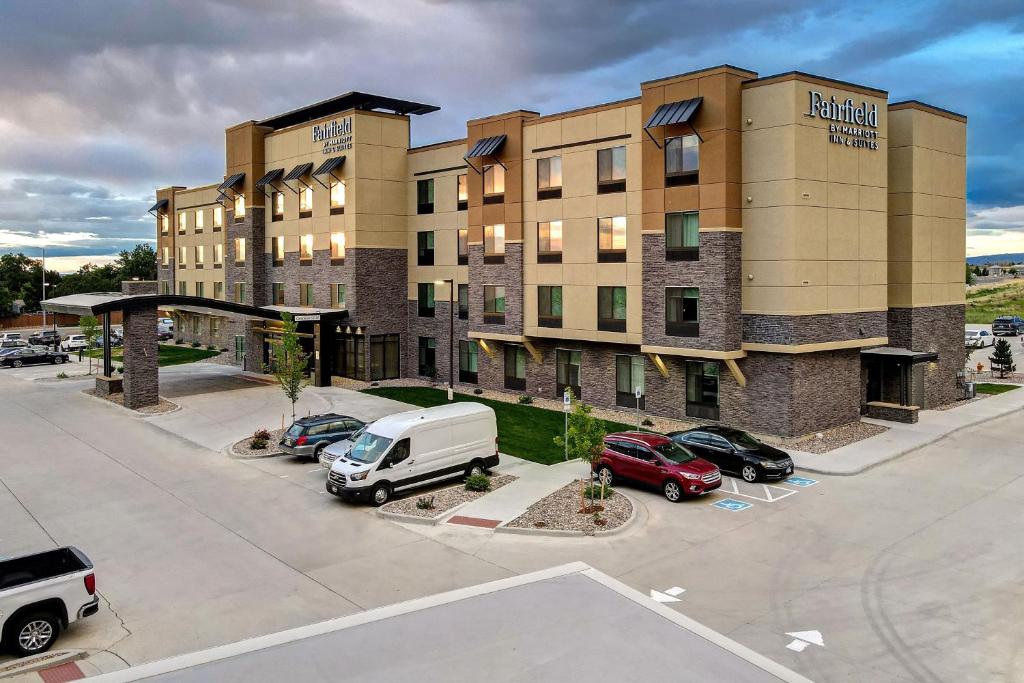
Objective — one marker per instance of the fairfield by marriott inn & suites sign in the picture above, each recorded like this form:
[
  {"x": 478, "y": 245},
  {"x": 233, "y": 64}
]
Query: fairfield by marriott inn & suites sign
[
  {"x": 853, "y": 125},
  {"x": 335, "y": 136}
]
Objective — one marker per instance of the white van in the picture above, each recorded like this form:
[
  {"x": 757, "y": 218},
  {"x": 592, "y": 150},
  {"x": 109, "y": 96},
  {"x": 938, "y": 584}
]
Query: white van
[{"x": 401, "y": 451}]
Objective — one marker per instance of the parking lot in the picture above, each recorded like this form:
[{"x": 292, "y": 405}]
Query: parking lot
[{"x": 910, "y": 571}]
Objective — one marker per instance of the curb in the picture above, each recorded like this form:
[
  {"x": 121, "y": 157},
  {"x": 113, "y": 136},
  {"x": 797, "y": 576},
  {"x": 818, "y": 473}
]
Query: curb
[
  {"x": 230, "y": 452},
  {"x": 131, "y": 411},
  {"x": 573, "y": 533},
  {"x": 425, "y": 521},
  {"x": 40, "y": 662}
]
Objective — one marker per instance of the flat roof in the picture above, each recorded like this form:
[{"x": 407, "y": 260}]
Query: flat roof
[
  {"x": 549, "y": 626},
  {"x": 391, "y": 426},
  {"x": 103, "y": 302},
  {"x": 350, "y": 100}
]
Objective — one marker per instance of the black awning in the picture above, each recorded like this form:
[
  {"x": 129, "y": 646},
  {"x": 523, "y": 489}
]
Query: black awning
[
  {"x": 674, "y": 112},
  {"x": 221, "y": 198},
  {"x": 899, "y": 355},
  {"x": 231, "y": 181},
  {"x": 329, "y": 166},
  {"x": 486, "y": 147},
  {"x": 299, "y": 171},
  {"x": 269, "y": 177},
  {"x": 159, "y": 206}
]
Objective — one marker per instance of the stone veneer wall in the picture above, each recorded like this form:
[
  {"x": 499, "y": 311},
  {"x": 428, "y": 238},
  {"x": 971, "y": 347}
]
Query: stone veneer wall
[
  {"x": 253, "y": 271},
  {"x": 166, "y": 274},
  {"x": 716, "y": 273},
  {"x": 378, "y": 294},
  {"x": 225, "y": 337},
  {"x": 508, "y": 274},
  {"x": 141, "y": 386},
  {"x": 813, "y": 329},
  {"x": 935, "y": 329},
  {"x": 319, "y": 272},
  {"x": 438, "y": 328}
]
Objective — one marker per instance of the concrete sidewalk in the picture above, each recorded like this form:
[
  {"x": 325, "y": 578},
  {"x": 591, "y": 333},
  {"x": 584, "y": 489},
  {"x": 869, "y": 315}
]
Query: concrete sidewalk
[
  {"x": 901, "y": 439},
  {"x": 535, "y": 482}
]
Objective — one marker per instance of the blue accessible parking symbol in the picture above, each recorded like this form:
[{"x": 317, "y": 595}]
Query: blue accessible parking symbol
[
  {"x": 803, "y": 482},
  {"x": 731, "y": 505}
]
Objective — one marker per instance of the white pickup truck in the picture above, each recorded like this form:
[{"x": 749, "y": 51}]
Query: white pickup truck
[{"x": 42, "y": 594}]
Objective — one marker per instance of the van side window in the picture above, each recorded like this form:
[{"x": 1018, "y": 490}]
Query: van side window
[{"x": 400, "y": 452}]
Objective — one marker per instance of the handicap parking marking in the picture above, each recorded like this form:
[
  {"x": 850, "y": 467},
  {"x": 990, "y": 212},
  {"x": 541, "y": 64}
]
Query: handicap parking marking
[
  {"x": 731, "y": 505},
  {"x": 802, "y": 482},
  {"x": 766, "y": 493}
]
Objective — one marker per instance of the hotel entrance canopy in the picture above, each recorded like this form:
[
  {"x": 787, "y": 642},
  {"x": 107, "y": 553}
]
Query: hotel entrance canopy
[{"x": 99, "y": 303}]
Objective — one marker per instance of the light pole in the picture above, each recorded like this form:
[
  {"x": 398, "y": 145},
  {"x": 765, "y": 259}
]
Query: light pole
[
  {"x": 451, "y": 335},
  {"x": 43, "y": 297}
]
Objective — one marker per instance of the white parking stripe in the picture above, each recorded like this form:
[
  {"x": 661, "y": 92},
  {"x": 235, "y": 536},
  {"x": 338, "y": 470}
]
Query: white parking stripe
[{"x": 769, "y": 491}]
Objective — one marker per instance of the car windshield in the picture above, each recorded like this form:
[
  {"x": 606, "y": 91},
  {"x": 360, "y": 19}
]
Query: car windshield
[
  {"x": 743, "y": 440},
  {"x": 368, "y": 448},
  {"x": 295, "y": 430},
  {"x": 674, "y": 452}
]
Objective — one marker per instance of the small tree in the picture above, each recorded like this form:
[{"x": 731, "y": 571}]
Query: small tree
[
  {"x": 1002, "y": 358},
  {"x": 585, "y": 437},
  {"x": 970, "y": 280},
  {"x": 289, "y": 361},
  {"x": 90, "y": 327}
]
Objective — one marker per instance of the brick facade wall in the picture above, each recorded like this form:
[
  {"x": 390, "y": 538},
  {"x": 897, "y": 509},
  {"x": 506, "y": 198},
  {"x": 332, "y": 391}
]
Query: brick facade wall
[
  {"x": 508, "y": 274},
  {"x": 140, "y": 384},
  {"x": 936, "y": 329},
  {"x": 438, "y": 328},
  {"x": 253, "y": 272},
  {"x": 813, "y": 329},
  {"x": 319, "y": 272}
]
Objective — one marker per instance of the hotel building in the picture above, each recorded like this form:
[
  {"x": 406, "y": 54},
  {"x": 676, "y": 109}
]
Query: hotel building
[{"x": 777, "y": 253}]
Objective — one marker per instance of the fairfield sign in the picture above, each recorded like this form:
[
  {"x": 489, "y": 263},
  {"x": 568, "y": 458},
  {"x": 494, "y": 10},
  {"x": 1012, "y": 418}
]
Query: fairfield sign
[
  {"x": 853, "y": 125},
  {"x": 335, "y": 136}
]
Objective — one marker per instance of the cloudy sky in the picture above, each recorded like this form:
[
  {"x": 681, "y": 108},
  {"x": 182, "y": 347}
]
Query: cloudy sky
[{"x": 105, "y": 100}]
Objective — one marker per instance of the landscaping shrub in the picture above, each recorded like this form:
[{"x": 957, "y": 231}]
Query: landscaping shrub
[
  {"x": 196, "y": 345},
  {"x": 525, "y": 399},
  {"x": 647, "y": 422},
  {"x": 261, "y": 433},
  {"x": 478, "y": 391},
  {"x": 593, "y": 491},
  {"x": 62, "y": 375},
  {"x": 425, "y": 503},
  {"x": 260, "y": 439},
  {"x": 211, "y": 347},
  {"x": 478, "y": 482},
  {"x": 179, "y": 341}
]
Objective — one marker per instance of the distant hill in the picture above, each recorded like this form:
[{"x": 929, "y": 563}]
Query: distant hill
[{"x": 995, "y": 258}]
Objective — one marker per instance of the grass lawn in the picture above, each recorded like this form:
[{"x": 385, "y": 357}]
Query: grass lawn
[
  {"x": 985, "y": 304},
  {"x": 168, "y": 354},
  {"x": 986, "y": 388},
  {"x": 524, "y": 431}
]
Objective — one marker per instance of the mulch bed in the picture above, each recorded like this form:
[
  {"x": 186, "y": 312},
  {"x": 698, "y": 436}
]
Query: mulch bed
[
  {"x": 830, "y": 439},
  {"x": 164, "y": 406},
  {"x": 444, "y": 500},
  {"x": 561, "y": 511},
  {"x": 242, "y": 449},
  {"x": 961, "y": 402}
]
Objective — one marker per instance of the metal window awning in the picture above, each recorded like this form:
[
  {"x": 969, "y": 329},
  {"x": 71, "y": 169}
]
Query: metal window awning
[
  {"x": 299, "y": 171},
  {"x": 674, "y": 113},
  {"x": 899, "y": 355},
  {"x": 230, "y": 182},
  {"x": 161, "y": 205},
  {"x": 486, "y": 147},
  {"x": 328, "y": 168},
  {"x": 269, "y": 178}
]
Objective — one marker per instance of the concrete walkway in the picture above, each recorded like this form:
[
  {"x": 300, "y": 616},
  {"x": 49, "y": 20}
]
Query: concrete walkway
[
  {"x": 535, "y": 482},
  {"x": 901, "y": 439}
]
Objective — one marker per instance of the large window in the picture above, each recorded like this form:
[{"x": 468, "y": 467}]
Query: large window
[
  {"x": 549, "y": 178},
  {"x": 567, "y": 372},
  {"x": 427, "y": 357},
  {"x": 350, "y": 356},
  {"x": 239, "y": 207},
  {"x": 165, "y": 287},
  {"x": 218, "y": 218},
  {"x": 337, "y": 196},
  {"x": 305, "y": 201},
  {"x": 218, "y": 255},
  {"x": 611, "y": 170},
  {"x": 425, "y": 248},
  {"x": 462, "y": 185},
  {"x": 385, "y": 356},
  {"x": 515, "y": 367},
  {"x": 468, "y": 361},
  {"x": 218, "y": 290},
  {"x": 182, "y": 222},
  {"x": 425, "y": 299},
  {"x": 549, "y": 306},
  {"x": 611, "y": 239},
  {"x": 277, "y": 293},
  {"x": 183, "y": 288},
  {"x": 463, "y": 302},
  {"x": 305, "y": 249},
  {"x": 239, "y": 251},
  {"x": 549, "y": 242},
  {"x": 682, "y": 160},
  {"x": 306, "y": 294},
  {"x": 277, "y": 250},
  {"x": 239, "y": 348},
  {"x": 165, "y": 256},
  {"x": 337, "y": 295},
  {"x": 239, "y": 292},
  {"x": 494, "y": 243},
  {"x": 463, "y": 253},
  {"x": 425, "y": 196},
  {"x": 277, "y": 206},
  {"x": 182, "y": 257},
  {"x": 200, "y": 222},
  {"x": 200, "y": 255},
  {"x": 702, "y": 390},
  {"x": 682, "y": 316},
  {"x": 337, "y": 248},
  {"x": 201, "y": 289},
  {"x": 165, "y": 224},
  {"x": 629, "y": 376},
  {"x": 494, "y": 184},
  {"x": 494, "y": 305},
  {"x": 682, "y": 236},
  {"x": 611, "y": 309}
]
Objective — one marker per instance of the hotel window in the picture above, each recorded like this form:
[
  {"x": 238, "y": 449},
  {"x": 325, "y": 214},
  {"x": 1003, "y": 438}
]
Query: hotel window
[
  {"x": 214, "y": 327},
  {"x": 468, "y": 361},
  {"x": 629, "y": 376},
  {"x": 337, "y": 296},
  {"x": 549, "y": 306},
  {"x": 239, "y": 292},
  {"x": 611, "y": 309},
  {"x": 306, "y": 294},
  {"x": 337, "y": 196},
  {"x": 682, "y": 236},
  {"x": 462, "y": 184},
  {"x": 165, "y": 287},
  {"x": 182, "y": 288},
  {"x": 385, "y": 356},
  {"x": 277, "y": 293},
  {"x": 277, "y": 250},
  {"x": 182, "y": 257},
  {"x": 549, "y": 178},
  {"x": 200, "y": 256},
  {"x": 165, "y": 224},
  {"x": 515, "y": 367},
  {"x": 200, "y": 221},
  {"x": 277, "y": 206},
  {"x": 611, "y": 239},
  {"x": 567, "y": 372},
  {"x": 494, "y": 184},
  {"x": 182, "y": 222},
  {"x": 239, "y": 208},
  {"x": 682, "y": 160},
  {"x": 218, "y": 218},
  {"x": 201, "y": 289},
  {"x": 681, "y": 311},
  {"x": 611, "y": 170},
  {"x": 702, "y": 390},
  {"x": 463, "y": 302},
  {"x": 337, "y": 248},
  {"x": 305, "y": 250},
  {"x": 425, "y": 299},
  {"x": 218, "y": 290},
  {"x": 195, "y": 327},
  {"x": 425, "y": 196},
  {"x": 239, "y": 348},
  {"x": 427, "y": 357},
  {"x": 165, "y": 256},
  {"x": 494, "y": 243},
  {"x": 463, "y": 247},
  {"x": 218, "y": 256},
  {"x": 425, "y": 248},
  {"x": 494, "y": 305},
  {"x": 306, "y": 202},
  {"x": 239, "y": 251},
  {"x": 549, "y": 242}
]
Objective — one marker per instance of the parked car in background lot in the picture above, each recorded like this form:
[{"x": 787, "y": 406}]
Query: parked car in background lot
[
  {"x": 977, "y": 339},
  {"x": 736, "y": 452},
  {"x": 33, "y": 356},
  {"x": 41, "y": 595},
  {"x": 13, "y": 343},
  {"x": 164, "y": 335},
  {"x": 309, "y": 436},
  {"x": 339, "y": 448},
  {"x": 45, "y": 338},
  {"x": 10, "y": 336},
  {"x": 165, "y": 324},
  {"x": 658, "y": 461},
  {"x": 1008, "y": 324},
  {"x": 74, "y": 342}
]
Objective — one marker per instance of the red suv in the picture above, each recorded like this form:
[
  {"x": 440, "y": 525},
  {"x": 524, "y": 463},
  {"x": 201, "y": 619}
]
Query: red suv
[{"x": 656, "y": 460}]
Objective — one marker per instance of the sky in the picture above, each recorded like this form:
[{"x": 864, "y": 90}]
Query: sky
[{"x": 105, "y": 101}]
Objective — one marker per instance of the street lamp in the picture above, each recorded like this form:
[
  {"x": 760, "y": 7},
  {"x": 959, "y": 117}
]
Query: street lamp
[{"x": 451, "y": 334}]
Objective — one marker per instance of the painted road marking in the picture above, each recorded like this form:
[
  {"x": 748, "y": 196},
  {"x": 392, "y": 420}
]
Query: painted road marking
[
  {"x": 731, "y": 505},
  {"x": 768, "y": 493},
  {"x": 801, "y": 639},
  {"x": 802, "y": 482},
  {"x": 667, "y": 596},
  {"x": 675, "y": 590}
]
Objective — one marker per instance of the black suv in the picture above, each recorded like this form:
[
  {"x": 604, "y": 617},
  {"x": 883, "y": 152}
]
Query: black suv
[
  {"x": 45, "y": 338},
  {"x": 309, "y": 435},
  {"x": 1008, "y": 324}
]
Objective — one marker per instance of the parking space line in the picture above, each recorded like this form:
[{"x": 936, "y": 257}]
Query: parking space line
[{"x": 769, "y": 496}]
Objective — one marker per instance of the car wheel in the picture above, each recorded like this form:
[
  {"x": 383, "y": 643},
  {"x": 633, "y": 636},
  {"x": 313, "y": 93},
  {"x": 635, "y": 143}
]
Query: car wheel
[
  {"x": 605, "y": 475},
  {"x": 672, "y": 491},
  {"x": 475, "y": 468},
  {"x": 380, "y": 494},
  {"x": 16, "y": 363},
  {"x": 58, "y": 360},
  {"x": 33, "y": 634},
  {"x": 318, "y": 451},
  {"x": 749, "y": 473}
]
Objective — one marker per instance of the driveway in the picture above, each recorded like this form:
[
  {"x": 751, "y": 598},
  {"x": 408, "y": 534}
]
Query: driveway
[{"x": 982, "y": 355}]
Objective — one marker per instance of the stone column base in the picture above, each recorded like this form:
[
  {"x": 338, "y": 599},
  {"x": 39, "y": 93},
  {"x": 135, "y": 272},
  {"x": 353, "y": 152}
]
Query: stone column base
[
  {"x": 105, "y": 386},
  {"x": 891, "y": 412}
]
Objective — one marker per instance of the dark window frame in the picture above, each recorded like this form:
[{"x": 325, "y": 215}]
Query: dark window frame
[
  {"x": 549, "y": 256},
  {"x": 424, "y": 253},
  {"x": 495, "y": 317},
  {"x": 462, "y": 258},
  {"x": 390, "y": 356},
  {"x": 513, "y": 381},
  {"x": 682, "y": 327},
  {"x": 577, "y": 389},
  {"x": 545, "y": 317},
  {"x": 686, "y": 176},
  {"x": 274, "y": 290},
  {"x": 274, "y": 260},
  {"x": 274, "y": 215},
  {"x": 612, "y": 184},
  {"x": 628, "y": 399},
  {"x": 494, "y": 197},
  {"x": 611, "y": 255},
  {"x": 696, "y": 404},
  {"x": 611, "y": 324},
  {"x": 462, "y": 179},
  {"x": 425, "y": 290},
  {"x": 682, "y": 252},
  {"x": 495, "y": 257},
  {"x": 425, "y": 196},
  {"x": 465, "y": 375},
  {"x": 427, "y": 357},
  {"x": 463, "y": 302},
  {"x": 548, "y": 191}
]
